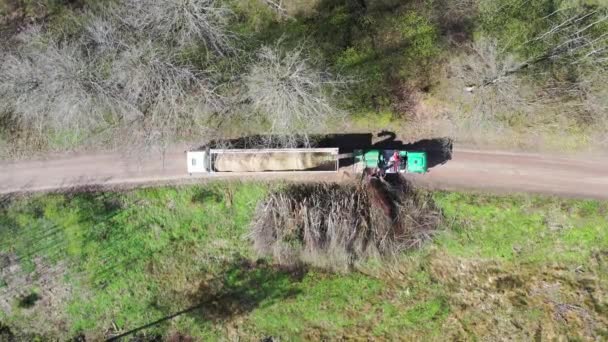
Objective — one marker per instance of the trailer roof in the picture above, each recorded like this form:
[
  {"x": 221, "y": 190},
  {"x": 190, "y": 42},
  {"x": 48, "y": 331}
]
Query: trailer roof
[{"x": 332, "y": 150}]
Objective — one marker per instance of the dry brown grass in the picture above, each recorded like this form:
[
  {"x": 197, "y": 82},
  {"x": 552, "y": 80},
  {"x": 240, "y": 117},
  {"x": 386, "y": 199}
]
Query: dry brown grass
[
  {"x": 39, "y": 296},
  {"x": 334, "y": 225}
]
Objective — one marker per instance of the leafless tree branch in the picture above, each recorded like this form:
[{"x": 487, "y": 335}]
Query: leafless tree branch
[
  {"x": 574, "y": 35},
  {"x": 183, "y": 22},
  {"x": 288, "y": 93}
]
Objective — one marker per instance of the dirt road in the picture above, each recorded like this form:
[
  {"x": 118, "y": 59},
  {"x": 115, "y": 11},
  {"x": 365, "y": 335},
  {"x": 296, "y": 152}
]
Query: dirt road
[
  {"x": 495, "y": 171},
  {"x": 584, "y": 177}
]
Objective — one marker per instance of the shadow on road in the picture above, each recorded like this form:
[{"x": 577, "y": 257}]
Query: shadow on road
[{"x": 439, "y": 150}]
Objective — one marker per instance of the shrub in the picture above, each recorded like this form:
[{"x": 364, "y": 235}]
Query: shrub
[{"x": 335, "y": 225}]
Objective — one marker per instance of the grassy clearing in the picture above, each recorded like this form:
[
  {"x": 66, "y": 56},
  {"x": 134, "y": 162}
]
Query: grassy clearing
[
  {"x": 524, "y": 229},
  {"x": 125, "y": 250},
  {"x": 95, "y": 264}
]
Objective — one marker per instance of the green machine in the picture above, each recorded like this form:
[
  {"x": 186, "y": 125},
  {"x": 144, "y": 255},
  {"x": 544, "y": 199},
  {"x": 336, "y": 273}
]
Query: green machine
[{"x": 391, "y": 161}]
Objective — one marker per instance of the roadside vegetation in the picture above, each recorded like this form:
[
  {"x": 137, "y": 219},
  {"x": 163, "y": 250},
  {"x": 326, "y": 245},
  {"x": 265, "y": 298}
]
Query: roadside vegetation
[
  {"x": 309, "y": 261},
  {"x": 89, "y": 74},
  {"x": 98, "y": 264},
  {"x": 335, "y": 226}
]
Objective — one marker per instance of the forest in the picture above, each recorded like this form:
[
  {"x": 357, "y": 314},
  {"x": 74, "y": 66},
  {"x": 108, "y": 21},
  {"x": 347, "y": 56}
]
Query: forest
[{"x": 144, "y": 74}]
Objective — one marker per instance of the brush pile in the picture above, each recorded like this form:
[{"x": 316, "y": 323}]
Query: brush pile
[{"x": 333, "y": 225}]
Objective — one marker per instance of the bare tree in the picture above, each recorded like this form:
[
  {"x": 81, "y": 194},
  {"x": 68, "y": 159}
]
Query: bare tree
[
  {"x": 107, "y": 79},
  {"x": 574, "y": 35},
  {"x": 183, "y": 22},
  {"x": 103, "y": 34},
  {"x": 520, "y": 103},
  {"x": 593, "y": 93},
  {"x": 288, "y": 93},
  {"x": 50, "y": 85},
  {"x": 278, "y": 7},
  {"x": 164, "y": 95},
  {"x": 458, "y": 9},
  {"x": 579, "y": 34},
  {"x": 145, "y": 77},
  {"x": 484, "y": 64}
]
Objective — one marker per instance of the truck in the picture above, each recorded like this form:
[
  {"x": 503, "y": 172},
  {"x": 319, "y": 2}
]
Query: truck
[
  {"x": 263, "y": 160},
  {"x": 304, "y": 159},
  {"x": 406, "y": 161}
]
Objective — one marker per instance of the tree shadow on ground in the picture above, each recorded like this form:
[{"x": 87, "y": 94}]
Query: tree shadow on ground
[
  {"x": 439, "y": 150},
  {"x": 6, "y": 200},
  {"x": 7, "y": 223},
  {"x": 48, "y": 238},
  {"x": 6, "y": 334},
  {"x": 242, "y": 287}
]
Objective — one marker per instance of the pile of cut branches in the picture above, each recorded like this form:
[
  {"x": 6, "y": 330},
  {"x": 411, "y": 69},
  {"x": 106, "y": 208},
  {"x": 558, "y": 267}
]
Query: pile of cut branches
[{"x": 333, "y": 225}]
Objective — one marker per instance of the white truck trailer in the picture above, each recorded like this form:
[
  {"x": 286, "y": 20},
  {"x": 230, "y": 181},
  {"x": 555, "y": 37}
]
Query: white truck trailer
[{"x": 263, "y": 160}]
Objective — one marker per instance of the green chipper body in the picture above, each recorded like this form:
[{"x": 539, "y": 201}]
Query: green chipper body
[{"x": 410, "y": 162}]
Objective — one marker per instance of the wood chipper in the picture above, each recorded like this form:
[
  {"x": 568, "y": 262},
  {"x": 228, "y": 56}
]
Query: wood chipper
[{"x": 390, "y": 161}]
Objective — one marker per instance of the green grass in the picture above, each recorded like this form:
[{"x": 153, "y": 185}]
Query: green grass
[
  {"x": 526, "y": 229},
  {"x": 135, "y": 257},
  {"x": 123, "y": 248}
]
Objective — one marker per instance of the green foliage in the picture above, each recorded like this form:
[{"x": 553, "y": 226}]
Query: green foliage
[
  {"x": 435, "y": 310},
  {"x": 377, "y": 48},
  {"x": 369, "y": 76},
  {"x": 138, "y": 256},
  {"x": 526, "y": 229},
  {"x": 420, "y": 35},
  {"x": 62, "y": 17},
  {"x": 252, "y": 17},
  {"x": 354, "y": 306},
  {"x": 258, "y": 25},
  {"x": 312, "y": 308},
  {"x": 517, "y": 24}
]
